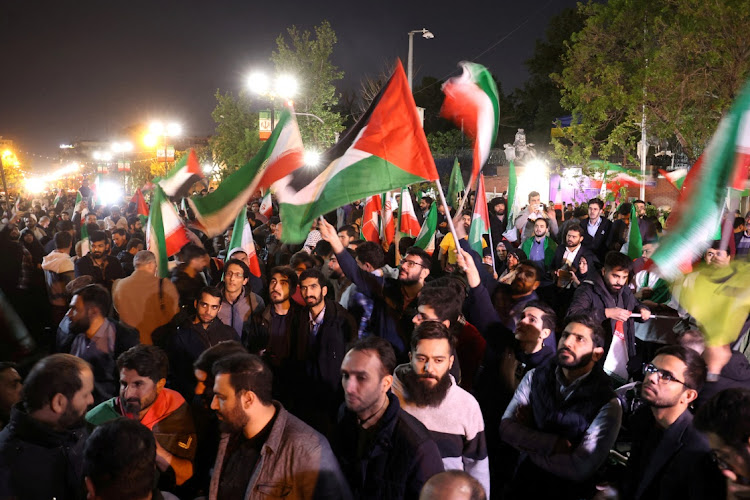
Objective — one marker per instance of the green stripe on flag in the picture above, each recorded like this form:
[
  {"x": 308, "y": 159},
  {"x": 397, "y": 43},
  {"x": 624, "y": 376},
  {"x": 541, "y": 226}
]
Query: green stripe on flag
[{"x": 635, "y": 243}]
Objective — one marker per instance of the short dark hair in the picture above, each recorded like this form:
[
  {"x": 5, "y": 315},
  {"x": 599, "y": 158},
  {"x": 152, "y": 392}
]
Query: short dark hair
[
  {"x": 287, "y": 272},
  {"x": 616, "y": 260},
  {"x": 191, "y": 251},
  {"x": 531, "y": 264},
  {"x": 120, "y": 231},
  {"x": 97, "y": 236},
  {"x": 242, "y": 265},
  {"x": 727, "y": 414},
  {"x": 132, "y": 220},
  {"x": 695, "y": 366},
  {"x": 533, "y": 194},
  {"x": 207, "y": 358},
  {"x": 381, "y": 347},
  {"x": 147, "y": 360},
  {"x": 313, "y": 273},
  {"x": 55, "y": 374},
  {"x": 542, "y": 219},
  {"x": 597, "y": 331},
  {"x": 119, "y": 459},
  {"x": 428, "y": 199},
  {"x": 423, "y": 256},
  {"x": 210, "y": 290},
  {"x": 625, "y": 209},
  {"x": 428, "y": 330},
  {"x": 639, "y": 201},
  {"x": 738, "y": 222},
  {"x": 302, "y": 257},
  {"x": 575, "y": 227},
  {"x": 95, "y": 296},
  {"x": 349, "y": 230},
  {"x": 64, "y": 225},
  {"x": 443, "y": 300},
  {"x": 323, "y": 249},
  {"x": 371, "y": 253},
  {"x": 597, "y": 201},
  {"x": 549, "y": 317},
  {"x": 467, "y": 212},
  {"x": 405, "y": 243},
  {"x": 247, "y": 372},
  {"x": 134, "y": 243},
  {"x": 63, "y": 240}
]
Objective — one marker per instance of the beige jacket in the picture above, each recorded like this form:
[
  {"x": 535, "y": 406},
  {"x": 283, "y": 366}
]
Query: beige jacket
[{"x": 137, "y": 301}]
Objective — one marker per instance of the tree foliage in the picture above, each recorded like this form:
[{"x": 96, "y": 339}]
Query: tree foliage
[
  {"x": 307, "y": 56},
  {"x": 237, "y": 137},
  {"x": 685, "y": 60}
]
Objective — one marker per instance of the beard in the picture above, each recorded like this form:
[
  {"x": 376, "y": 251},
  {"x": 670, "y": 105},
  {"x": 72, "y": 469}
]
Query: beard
[
  {"x": 97, "y": 255},
  {"x": 313, "y": 301},
  {"x": 576, "y": 362},
  {"x": 654, "y": 400},
  {"x": 234, "y": 421},
  {"x": 422, "y": 394},
  {"x": 71, "y": 418},
  {"x": 80, "y": 326}
]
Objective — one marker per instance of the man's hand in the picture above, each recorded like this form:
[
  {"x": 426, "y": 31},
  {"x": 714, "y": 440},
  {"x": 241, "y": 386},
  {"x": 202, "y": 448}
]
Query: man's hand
[
  {"x": 645, "y": 314},
  {"x": 163, "y": 457},
  {"x": 458, "y": 223},
  {"x": 551, "y": 212},
  {"x": 617, "y": 313},
  {"x": 466, "y": 263},
  {"x": 329, "y": 234},
  {"x": 524, "y": 415}
]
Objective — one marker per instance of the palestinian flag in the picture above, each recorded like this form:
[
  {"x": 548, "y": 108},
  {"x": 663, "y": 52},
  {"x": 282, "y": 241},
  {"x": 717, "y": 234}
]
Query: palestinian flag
[
  {"x": 266, "y": 206},
  {"x": 279, "y": 156},
  {"x": 165, "y": 234},
  {"x": 85, "y": 243},
  {"x": 79, "y": 199},
  {"x": 455, "y": 185},
  {"x": 57, "y": 199},
  {"x": 181, "y": 178},
  {"x": 408, "y": 223},
  {"x": 723, "y": 165},
  {"x": 480, "y": 220},
  {"x": 370, "y": 219},
  {"x": 676, "y": 177},
  {"x": 141, "y": 207},
  {"x": 622, "y": 179},
  {"x": 242, "y": 239},
  {"x": 472, "y": 104},
  {"x": 635, "y": 243},
  {"x": 426, "y": 236},
  {"x": 388, "y": 226}
]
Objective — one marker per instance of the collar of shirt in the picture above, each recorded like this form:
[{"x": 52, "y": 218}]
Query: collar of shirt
[
  {"x": 570, "y": 255},
  {"x": 593, "y": 228},
  {"x": 316, "y": 321},
  {"x": 567, "y": 390}
]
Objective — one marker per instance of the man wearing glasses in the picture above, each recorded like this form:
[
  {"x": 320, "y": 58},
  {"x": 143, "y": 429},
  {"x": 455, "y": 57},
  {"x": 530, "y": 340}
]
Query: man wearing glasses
[{"x": 669, "y": 458}]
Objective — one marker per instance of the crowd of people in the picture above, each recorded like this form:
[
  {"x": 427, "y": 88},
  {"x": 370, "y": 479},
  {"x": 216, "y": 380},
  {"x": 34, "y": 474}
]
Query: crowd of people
[{"x": 551, "y": 366}]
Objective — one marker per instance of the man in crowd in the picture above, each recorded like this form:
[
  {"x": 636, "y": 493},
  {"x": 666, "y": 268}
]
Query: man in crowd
[
  {"x": 144, "y": 301},
  {"x": 62, "y": 226},
  {"x": 564, "y": 417},
  {"x": 609, "y": 301},
  {"x": 194, "y": 336},
  {"x": 59, "y": 271},
  {"x": 347, "y": 234},
  {"x": 427, "y": 391},
  {"x": 119, "y": 241},
  {"x": 143, "y": 397},
  {"x": 447, "y": 255},
  {"x": 540, "y": 248},
  {"x": 668, "y": 456},
  {"x": 596, "y": 232},
  {"x": 452, "y": 485},
  {"x": 237, "y": 303},
  {"x": 115, "y": 220},
  {"x": 41, "y": 448},
  {"x": 265, "y": 449},
  {"x": 424, "y": 208},
  {"x": 339, "y": 281},
  {"x": 135, "y": 228},
  {"x": 533, "y": 211},
  {"x": 498, "y": 218},
  {"x": 10, "y": 390},
  {"x": 127, "y": 257},
  {"x": 97, "y": 264},
  {"x": 400, "y": 455},
  {"x": 93, "y": 337},
  {"x": 742, "y": 239}
]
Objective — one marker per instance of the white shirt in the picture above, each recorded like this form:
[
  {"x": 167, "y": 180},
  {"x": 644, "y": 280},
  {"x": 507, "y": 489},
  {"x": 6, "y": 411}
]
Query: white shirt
[
  {"x": 593, "y": 228},
  {"x": 570, "y": 255}
]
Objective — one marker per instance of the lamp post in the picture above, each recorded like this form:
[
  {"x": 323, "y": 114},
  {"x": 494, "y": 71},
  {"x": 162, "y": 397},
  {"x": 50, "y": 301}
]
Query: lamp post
[
  {"x": 410, "y": 60},
  {"x": 165, "y": 131},
  {"x": 284, "y": 86}
]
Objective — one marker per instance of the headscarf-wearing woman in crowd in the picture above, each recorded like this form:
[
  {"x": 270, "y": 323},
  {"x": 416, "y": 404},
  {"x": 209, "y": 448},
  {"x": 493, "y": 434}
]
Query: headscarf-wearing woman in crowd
[{"x": 515, "y": 255}]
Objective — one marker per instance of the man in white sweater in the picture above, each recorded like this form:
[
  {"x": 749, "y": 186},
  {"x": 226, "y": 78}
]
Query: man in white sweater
[{"x": 428, "y": 392}]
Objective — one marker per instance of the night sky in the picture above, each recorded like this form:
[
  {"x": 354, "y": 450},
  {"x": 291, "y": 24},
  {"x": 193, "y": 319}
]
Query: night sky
[{"x": 82, "y": 69}]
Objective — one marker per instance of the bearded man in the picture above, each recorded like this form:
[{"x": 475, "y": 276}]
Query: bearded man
[{"x": 427, "y": 391}]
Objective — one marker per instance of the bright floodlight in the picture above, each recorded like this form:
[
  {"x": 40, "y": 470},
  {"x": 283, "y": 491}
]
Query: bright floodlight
[
  {"x": 312, "y": 158},
  {"x": 149, "y": 140},
  {"x": 102, "y": 155},
  {"x": 109, "y": 193},
  {"x": 537, "y": 165},
  {"x": 122, "y": 147},
  {"x": 286, "y": 86},
  {"x": 258, "y": 82},
  {"x": 174, "y": 129},
  {"x": 428, "y": 34},
  {"x": 35, "y": 185},
  {"x": 156, "y": 128},
  {"x": 207, "y": 168}
]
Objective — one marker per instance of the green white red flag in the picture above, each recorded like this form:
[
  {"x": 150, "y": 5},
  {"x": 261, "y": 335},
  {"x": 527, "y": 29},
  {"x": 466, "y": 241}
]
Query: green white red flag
[
  {"x": 179, "y": 180},
  {"x": 455, "y": 185},
  {"x": 635, "y": 242},
  {"x": 386, "y": 149},
  {"x": 57, "y": 198},
  {"x": 676, "y": 177},
  {"x": 371, "y": 219},
  {"x": 242, "y": 239},
  {"x": 408, "y": 222},
  {"x": 480, "y": 219},
  {"x": 280, "y": 156},
  {"x": 724, "y": 165},
  {"x": 85, "y": 242},
  {"x": 388, "y": 225},
  {"x": 472, "y": 104},
  {"x": 165, "y": 233},
  {"x": 426, "y": 236},
  {"x": 266, "y": 206}
]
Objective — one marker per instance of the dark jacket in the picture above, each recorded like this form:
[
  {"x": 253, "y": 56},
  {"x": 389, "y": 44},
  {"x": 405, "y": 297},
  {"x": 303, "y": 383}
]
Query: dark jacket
[
  {"x": 188, "y": 288},
  {"x": 126, "y": 261},
  {"x": 735, "y": 374},
  {"x": 598, "y": 243},
  {"x": 401, "y": 457},
  {"x": 670, "y": 464},
  {"x": 37, "y": 462},
  {"x": 113, "y": 271}
]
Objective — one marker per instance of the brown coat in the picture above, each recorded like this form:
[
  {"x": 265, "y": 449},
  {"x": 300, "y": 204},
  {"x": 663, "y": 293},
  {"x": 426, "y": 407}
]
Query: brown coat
[{"x": 137, "y": 301}]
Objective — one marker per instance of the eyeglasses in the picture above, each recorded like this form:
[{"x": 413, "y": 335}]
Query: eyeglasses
[
  {"x": 408, "y": 264},
  {"x": 231, "y": 275},
  {"x": 662, "y": 376}
]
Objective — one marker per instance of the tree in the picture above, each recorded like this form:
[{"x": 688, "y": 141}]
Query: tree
[
  {"x": 308, "y": 58},
  {"x": 237, "y": 138},
  {"x": 14, "y": 176},
  {"x": 684, "y": 60}
]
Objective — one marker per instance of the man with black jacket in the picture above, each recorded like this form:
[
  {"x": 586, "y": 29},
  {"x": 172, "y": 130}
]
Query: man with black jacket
[
  {"x": 97, "y": 264},
  {"x": 383, "y": 451},
  {"x": 597, "y": 229}
]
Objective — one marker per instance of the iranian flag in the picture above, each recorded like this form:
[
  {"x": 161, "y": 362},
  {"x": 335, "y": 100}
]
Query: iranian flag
[
  {"x": 408, "y": 222},
  {"x": 623, "y": 179},
  {"x": 79, "y": 199},
  {"x": 371, "y": 219},
  {"x": 266, "y": 206},
  {"x": 472, "y": 104},
  {"x": 85, "y": 243},
  {"x": 165, "y": 234},
  {"x": 386, "y": 149},
  {"x": 480, "y": 219},
  {"x": 676, "y": 178},
  {"x": 242, "y": 239},
  {"x": 181, "y": 178},
  {"x": 635, "y": 242},
  {"x": 388, "y": 227},
  {"x": 278, "y": 158},
  {"x": 426, "y": 236},
  {"x": 723, "y": 165}
]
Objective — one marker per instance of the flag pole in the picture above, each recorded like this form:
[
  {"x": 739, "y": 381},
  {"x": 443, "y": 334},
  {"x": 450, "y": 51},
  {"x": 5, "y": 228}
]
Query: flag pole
[
  {"x": 447, "y": 211},
  {"x": 727, "y": 230}
]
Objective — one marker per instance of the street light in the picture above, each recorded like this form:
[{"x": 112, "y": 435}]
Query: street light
[
  {"x": 159, "y": 129},
  {"x": 410, "y": 60},
  {"x": 284, "y": 86}
]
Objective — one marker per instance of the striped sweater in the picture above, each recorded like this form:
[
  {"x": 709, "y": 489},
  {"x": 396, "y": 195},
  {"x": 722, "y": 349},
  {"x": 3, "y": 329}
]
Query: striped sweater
[{"x": 456, "y": 425}]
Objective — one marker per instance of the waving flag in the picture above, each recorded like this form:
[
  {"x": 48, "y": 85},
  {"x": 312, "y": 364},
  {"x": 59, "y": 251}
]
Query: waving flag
[
  {"x": 242, "y": 239},
  {"x": 165, "y": 234},
  {"x": 179, "y": 180},
  {"x": 388, "y": 226},
  {"x": 480, "y": 219},
  {"x": 635, "y": 242},
  {"x": 371, "y": 219},
  {"x": 266, "y": 206},
  {"x": 408, "y": 222},
  {"x": 455, "y": 184},
  {"x": 385, "y": 150},
  {"x": 426, "y": 236},
  {"x": 676, "y": 178}
]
